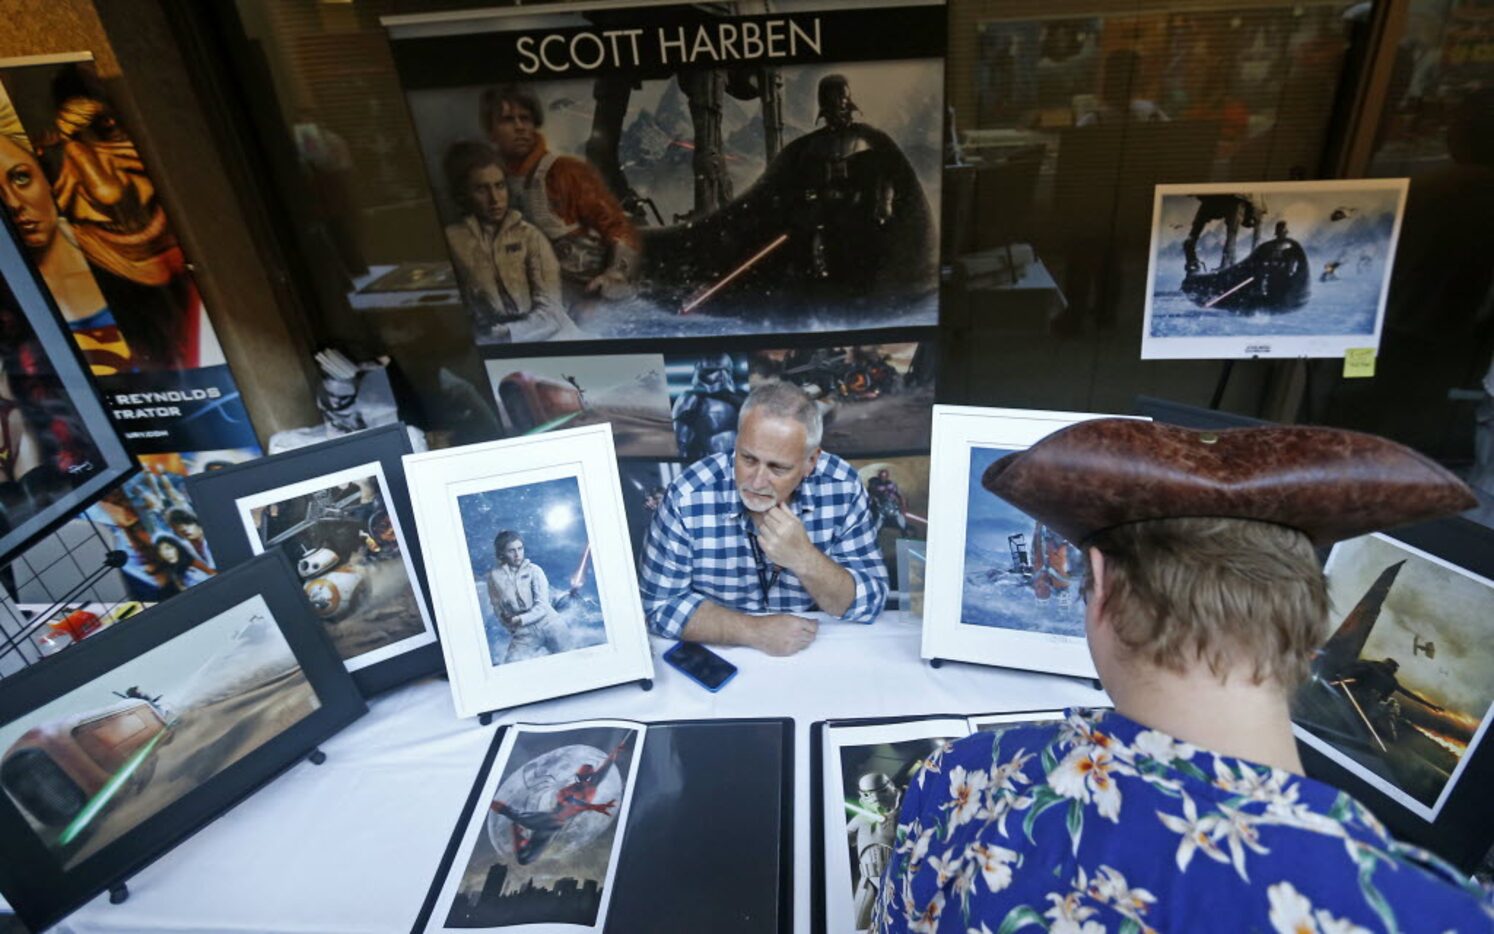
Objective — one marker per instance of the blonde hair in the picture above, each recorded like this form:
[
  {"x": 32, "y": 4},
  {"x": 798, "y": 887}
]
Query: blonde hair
[{"x": 1235, "y": 594}]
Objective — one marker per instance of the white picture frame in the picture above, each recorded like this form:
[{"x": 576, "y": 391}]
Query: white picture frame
[
  {"x": 1353, "y": 225},
  {"x": 961, "y": 434},
  {"x": 840, "y": 876},
  {"x": 577, "y": 469}
]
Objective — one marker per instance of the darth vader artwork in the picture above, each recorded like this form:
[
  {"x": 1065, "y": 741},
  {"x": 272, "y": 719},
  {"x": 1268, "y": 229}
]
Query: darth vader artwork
[{"x": 693, "y": 198}]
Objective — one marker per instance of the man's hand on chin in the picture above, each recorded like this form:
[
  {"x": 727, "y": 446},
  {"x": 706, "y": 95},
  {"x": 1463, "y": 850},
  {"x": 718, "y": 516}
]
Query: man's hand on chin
[
  {"x": 782, "y": 634},
  {"x": 784, "y": 540}
]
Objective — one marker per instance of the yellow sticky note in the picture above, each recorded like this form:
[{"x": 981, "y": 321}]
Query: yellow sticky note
[{"x": 1359, "y": 361}]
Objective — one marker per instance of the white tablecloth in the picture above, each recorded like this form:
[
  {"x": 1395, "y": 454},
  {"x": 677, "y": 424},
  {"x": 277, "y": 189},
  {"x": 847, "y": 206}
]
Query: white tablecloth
[{"x": 352, "y": 844}]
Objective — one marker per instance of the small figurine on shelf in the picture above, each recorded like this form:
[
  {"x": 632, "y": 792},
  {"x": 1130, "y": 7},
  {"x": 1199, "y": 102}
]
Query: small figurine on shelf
[{"x": 352, "y": 396}]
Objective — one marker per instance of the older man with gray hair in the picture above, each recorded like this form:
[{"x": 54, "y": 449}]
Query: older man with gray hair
[{"x": 747, "y": 542}]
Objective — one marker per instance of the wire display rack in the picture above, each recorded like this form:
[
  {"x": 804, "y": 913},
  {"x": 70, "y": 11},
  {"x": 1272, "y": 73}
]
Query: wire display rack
[{"x": 58, "y": 591}]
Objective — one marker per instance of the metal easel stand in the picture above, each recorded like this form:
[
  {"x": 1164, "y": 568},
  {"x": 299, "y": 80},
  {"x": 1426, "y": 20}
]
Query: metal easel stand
[
  {"x": 646, "y": 684},
  {"x": 1092, "y": 682}
]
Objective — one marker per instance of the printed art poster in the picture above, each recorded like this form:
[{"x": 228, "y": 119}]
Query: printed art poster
[
  {"x": 874, "y": 397},
  {"x": 1402, "y": 693},
  {"x": 676, "y": 170},
  {"x": 897, "y": 490},
  {"x": 1019, "y": 574},
  {"x": 644, "y": 484},
  {"x": 80, "y": 193},
  {"x": 350, "y": 552},
  {"x": 868, "y": 773},
  {"x": 58, "y": 448},
  {"x": 1270, "y": 269},
  {"x": 91, "y": 766},
  {"x": 541, "y": 853},
  {"x": 530, "y": 555}
]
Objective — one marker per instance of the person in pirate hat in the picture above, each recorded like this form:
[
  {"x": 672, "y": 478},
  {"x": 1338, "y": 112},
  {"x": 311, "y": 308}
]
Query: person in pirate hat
[{"x": 1185, "y": 808}]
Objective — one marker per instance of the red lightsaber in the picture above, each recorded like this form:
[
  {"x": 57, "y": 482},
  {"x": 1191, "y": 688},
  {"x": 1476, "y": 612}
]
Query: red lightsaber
[
  {"x": 1223, "y": 295},
  {"x": 699, "y": 300},
  {"x": 580, "y": 574}
]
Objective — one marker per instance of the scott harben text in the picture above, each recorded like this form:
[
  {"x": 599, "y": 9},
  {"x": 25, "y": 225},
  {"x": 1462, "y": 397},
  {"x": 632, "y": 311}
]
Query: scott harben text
[{"x": 721, "y": 41}]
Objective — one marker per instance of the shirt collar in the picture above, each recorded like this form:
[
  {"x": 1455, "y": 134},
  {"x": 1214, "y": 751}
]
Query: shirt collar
[
  {"x": 1202, "y": 771},
  {"x": 522, "y": 168}
]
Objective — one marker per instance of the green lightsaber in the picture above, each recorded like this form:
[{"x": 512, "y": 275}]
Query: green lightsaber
[
  {"x": 552, "y": 423},
  {"x": 110, "y": 789},
  {"x": 860, "y": 811}
]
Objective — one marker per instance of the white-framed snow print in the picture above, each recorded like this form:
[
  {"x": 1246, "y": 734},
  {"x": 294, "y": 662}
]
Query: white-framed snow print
[{"x": 530, "y": 569}]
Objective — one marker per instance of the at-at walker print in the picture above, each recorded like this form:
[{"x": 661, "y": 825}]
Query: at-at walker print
[
  {"x": 1271, "y": 269},
  {"x": 1273, "y": 276}
]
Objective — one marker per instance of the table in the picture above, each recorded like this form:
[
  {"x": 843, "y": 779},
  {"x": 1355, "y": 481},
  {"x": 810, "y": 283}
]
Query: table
[
  {"x": 1025, "y": 306},
  {"x": 351, "y": 845}
]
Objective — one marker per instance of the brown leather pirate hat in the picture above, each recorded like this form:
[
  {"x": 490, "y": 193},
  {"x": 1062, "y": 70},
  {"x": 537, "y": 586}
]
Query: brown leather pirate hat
[{"x": 1329, "y": 483}]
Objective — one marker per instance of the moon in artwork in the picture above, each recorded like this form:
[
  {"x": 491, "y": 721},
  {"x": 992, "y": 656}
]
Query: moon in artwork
[
  {"x": 533, "y": 786},
  {"x": 560, "y": 517}
]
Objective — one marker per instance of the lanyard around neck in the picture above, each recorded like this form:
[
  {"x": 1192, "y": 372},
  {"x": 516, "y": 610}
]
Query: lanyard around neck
[{"x": 765, "y": 580}]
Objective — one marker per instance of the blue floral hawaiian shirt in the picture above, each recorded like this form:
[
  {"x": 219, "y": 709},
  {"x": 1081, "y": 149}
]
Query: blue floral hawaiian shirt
[{"x": 1102, "y": 825}]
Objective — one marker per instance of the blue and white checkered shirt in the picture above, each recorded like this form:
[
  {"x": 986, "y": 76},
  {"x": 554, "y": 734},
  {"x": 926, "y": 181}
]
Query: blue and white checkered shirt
[{"x": 697, "y": 547}]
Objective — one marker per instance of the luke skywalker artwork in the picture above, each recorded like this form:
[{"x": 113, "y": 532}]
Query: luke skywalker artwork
[{"x": 532, "y": 577}]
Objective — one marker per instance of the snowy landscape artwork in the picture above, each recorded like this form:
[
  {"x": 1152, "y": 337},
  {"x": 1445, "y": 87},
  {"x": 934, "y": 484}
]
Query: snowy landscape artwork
[
  {"x": 1270, "y": 269},
  {"x": 530, "y": 558},
  {"x": 1018, "y": 573},
  {"x": 1000, "y": 588},
  {"x": 526, "y": 546}
]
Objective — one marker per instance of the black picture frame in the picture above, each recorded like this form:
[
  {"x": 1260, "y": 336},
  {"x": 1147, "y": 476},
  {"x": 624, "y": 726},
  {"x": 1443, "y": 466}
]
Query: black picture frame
[
  {"x": 35, "y": 881},
  {"x": 1464, "y": 827},
  {"x": 217, "y": 493},
  {"x": 49, "y": 398}
]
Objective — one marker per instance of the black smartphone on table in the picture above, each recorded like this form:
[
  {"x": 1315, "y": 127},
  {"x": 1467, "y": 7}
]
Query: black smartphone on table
[{"x": 701, "y": 665}]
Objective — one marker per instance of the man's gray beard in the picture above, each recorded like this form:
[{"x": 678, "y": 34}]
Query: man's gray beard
[{"x": 742, "y": 496}]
